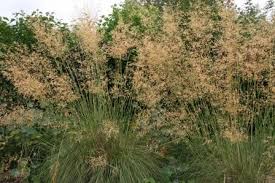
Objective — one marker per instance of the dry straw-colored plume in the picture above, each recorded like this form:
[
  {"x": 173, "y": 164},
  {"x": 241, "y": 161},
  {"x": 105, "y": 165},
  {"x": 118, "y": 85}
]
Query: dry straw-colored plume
[
  {"x": 182, "y": 58},
  {"x": 48, "y": 72},
  {"x": 20, "y": 116},
  {"x": 93, "y": 67},
  {"x": 208, "y": 59},
  {"x": 34, "y": 76},
  {"x": 49, "y": 37}
]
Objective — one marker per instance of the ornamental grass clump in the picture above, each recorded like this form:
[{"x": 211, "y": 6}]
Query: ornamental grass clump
[
  {"x": 99, "y": 145},
  {"x": 60, "y": 65},
  {"x": 210, "y": 53},
  {"x": 201, "y": 73},
  {"x": 230, "y": 153}
]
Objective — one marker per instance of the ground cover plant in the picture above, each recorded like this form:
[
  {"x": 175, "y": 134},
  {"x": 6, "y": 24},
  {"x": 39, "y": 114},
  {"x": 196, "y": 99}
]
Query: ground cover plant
[{"x": 158, "y": 91}]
